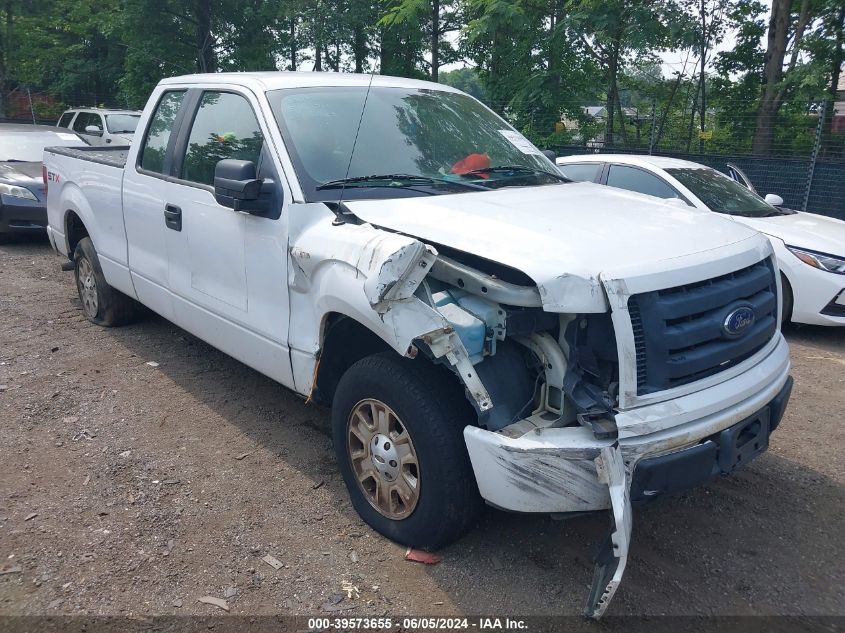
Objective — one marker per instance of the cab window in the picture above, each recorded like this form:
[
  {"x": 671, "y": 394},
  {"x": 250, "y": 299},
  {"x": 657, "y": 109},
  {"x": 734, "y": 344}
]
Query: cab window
[
  {"x": 66, "y": 119},
  {"x": 580, "y": 172},
  {"x": 158, "y": 132},
  {"x": 84, "y": 119},
  {"x": 638, "y": 180},
  {"x": 224, "y": 127}
]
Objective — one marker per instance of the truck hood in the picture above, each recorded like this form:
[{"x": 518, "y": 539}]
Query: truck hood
[
  {"x": 572, "y": 232},
  {"x": 804, "y": 230}
]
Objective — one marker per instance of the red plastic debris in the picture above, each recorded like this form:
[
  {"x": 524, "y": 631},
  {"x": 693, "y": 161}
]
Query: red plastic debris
[{"x": 419, "y": 556}]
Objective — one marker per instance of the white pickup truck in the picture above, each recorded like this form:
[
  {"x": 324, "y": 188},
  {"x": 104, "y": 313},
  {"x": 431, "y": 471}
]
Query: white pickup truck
[{"x": 482, "y": 328}]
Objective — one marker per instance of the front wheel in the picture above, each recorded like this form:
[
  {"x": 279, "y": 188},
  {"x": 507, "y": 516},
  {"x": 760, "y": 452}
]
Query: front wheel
[
  {"x": 101, "y": 303},
  {"x": 398, "y": 434}
]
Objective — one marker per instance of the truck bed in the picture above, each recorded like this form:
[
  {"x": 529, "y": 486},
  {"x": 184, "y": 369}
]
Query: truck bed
[{"x": 112, "y": 156}]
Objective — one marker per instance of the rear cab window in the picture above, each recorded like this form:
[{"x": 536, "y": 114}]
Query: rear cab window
[
  {"x": 159, "y": 130},
  {"x": 581, "y": 172}
]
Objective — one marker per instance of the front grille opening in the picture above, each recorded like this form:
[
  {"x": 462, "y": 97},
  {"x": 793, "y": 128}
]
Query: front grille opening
[{"x": 678, "y": 332}]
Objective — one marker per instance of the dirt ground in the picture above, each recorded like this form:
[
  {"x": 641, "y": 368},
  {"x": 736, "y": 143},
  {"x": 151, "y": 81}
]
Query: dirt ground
[{"x": 140, "y": 470}]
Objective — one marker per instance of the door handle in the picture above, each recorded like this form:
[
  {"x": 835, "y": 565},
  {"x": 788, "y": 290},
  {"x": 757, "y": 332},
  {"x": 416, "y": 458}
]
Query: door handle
[{"x": 173, "y": 217}]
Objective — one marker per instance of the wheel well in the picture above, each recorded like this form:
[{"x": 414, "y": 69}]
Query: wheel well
[
  {"x": 345, "y": 342},
  {"x": 74, "y": 230},
  {"x": 788, "y": 298}
]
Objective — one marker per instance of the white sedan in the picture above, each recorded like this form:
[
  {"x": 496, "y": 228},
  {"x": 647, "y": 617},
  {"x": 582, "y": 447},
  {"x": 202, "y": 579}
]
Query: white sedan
[{"x": 810, "y": 248}]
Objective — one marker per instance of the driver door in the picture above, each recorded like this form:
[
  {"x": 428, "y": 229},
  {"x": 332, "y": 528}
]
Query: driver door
[{"x": 227, "y": 270}]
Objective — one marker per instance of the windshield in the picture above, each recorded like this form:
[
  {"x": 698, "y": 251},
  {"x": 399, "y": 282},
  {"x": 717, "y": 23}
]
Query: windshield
[
  {"x": 427, "y": 141},
  {"x": 122, "y": 123},
  {"x": 29, "y": 146},
  {"x": 722, "y": 194}
]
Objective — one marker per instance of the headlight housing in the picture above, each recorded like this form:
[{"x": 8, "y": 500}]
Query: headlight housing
[
  {"x": 16, "y": 192},
  {"x": 822, "y": 261}
]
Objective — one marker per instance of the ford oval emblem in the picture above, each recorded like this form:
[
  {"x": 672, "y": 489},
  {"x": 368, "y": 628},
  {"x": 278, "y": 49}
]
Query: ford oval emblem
[{"x": 738, "y": 321}]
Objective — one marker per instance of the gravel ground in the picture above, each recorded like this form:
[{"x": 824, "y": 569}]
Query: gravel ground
[{"x": 140, "y": 470}]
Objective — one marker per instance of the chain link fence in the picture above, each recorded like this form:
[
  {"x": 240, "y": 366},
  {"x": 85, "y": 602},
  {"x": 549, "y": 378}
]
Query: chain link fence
[{"x": 804, "y": 162}]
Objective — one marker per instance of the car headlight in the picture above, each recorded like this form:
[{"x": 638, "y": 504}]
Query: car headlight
[
  {"x": 16, "y": 192},
  {"x": 822, "y": 261}
]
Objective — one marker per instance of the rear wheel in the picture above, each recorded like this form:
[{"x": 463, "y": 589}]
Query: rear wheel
[
  {"x": 101, "y": 303},
  {"x": 398, "y": 434}
]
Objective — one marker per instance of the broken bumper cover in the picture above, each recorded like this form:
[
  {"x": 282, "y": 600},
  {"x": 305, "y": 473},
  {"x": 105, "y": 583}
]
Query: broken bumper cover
[
  {"x": 553, "y": 469},
  {"x": 563, "y": 470}
]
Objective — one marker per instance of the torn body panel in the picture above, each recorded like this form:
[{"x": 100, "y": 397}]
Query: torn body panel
[
  {"x": 613, "y": 554},
  {"x": 372, "y": 276}
]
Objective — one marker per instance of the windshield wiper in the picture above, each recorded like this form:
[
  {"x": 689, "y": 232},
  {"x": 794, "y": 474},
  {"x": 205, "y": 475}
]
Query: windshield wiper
[
  {"x": 397, "y": 180},
  {"x": 521, "y": 169}
]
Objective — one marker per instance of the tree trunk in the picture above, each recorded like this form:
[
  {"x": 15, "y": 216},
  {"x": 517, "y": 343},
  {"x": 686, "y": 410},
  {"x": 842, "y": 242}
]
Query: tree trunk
[
  {"x": 359, "y": 47},
  {"x": 206, "y": 62},
  {"x": 318, "y": 57},
  {"x": 836, "y": 68},
  {"x": 292, "y": 44},
  {"x": 621, "y": 114},
  {"x": 435, "y": 39},
  {"x": 612, "y": 71},
  {"x": 665, "y": 114},
  {"x": 385, "y": 53},
  {"x": 768, "y": 107}
]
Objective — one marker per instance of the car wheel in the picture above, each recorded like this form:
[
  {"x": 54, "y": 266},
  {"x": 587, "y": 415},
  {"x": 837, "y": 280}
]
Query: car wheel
[
  {"x": 101, "y": 303},
  {"x": 786, "y": 308},
  {"x": 398, "y": 426}
]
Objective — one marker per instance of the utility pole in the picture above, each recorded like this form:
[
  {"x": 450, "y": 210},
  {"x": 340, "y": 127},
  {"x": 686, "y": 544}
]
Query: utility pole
[
  {"x": 31, "y": 109},
  {"x": 653, "y": 123}
]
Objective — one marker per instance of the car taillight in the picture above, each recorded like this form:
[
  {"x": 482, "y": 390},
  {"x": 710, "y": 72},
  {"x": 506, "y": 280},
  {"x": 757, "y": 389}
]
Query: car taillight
[{"x": 44, "y": 177}]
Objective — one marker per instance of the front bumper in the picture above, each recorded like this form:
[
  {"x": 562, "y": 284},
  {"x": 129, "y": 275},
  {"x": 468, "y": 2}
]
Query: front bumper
[
  {"x": 553, "y": 470},
  {"x": 22, "y": 216},
  {"x": 719, "y": 454},
  {"x": 686, "y": 441},
  {"x": 818, "y": 297}
]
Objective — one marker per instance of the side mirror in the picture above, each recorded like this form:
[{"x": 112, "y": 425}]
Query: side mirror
[
  {"x": 774, "y": 199},
  {"x": 549, "y": 154},
  {"x": 236, "y": 186},
  {"x": 93, "y": 130}
]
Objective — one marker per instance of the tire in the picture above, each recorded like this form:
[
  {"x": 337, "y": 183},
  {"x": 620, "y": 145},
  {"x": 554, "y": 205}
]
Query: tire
[
  {"x": 430, "y": 407},
  {"x": 786, "y": 308},
  {"x": 101, "y": 304}
]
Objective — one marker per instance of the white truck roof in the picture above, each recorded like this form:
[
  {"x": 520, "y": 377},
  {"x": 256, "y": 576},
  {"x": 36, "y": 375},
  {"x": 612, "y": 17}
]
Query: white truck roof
[{"x": 274, "y": 80}]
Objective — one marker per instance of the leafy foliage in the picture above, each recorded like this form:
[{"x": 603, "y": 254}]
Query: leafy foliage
[{"x": 540, "y": 63}]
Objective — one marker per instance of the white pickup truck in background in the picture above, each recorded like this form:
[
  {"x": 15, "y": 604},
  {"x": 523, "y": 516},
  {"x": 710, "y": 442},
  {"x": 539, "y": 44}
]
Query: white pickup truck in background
[{"x": 481, "y": 327}]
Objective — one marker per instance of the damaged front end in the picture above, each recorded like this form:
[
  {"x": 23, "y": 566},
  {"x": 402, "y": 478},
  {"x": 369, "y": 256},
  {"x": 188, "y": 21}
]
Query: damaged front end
[
  {"x": 542, "y": 379},
  {"x": 544, "y": 385}
]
